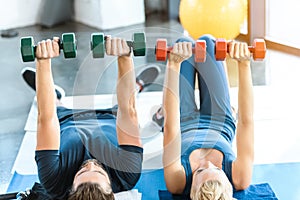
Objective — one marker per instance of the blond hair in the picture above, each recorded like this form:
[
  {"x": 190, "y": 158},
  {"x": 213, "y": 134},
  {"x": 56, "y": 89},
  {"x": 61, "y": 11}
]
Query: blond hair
[{"x": 212, "y": 190}]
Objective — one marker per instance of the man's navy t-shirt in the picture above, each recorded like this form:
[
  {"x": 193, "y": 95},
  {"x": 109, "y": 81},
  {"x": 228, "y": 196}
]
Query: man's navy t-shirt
[{"x": 88, "y": 134}]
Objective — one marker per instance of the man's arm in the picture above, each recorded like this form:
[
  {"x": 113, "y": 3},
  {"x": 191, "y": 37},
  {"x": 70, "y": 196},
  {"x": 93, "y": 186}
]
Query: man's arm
[
  {"x": 173, "y": 170},
  {"x": 48, "y": 130},
  {"x": 242, "y": 166},
  {"x": 127, "y": 120}
]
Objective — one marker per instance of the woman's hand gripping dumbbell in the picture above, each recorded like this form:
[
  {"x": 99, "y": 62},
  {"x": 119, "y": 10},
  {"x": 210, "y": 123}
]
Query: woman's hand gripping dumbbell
[
  {"x": 162, "y": 50},
  {"x": 258, "y": 49}
]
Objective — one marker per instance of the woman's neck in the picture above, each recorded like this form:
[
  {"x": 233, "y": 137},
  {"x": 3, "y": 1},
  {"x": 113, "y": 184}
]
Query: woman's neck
[{"x": 199, "y": 157}]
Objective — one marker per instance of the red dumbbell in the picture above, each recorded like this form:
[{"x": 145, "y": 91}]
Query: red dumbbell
[
  {"x": 258, "y": 49},
  {"x": 161, "y": 50}
]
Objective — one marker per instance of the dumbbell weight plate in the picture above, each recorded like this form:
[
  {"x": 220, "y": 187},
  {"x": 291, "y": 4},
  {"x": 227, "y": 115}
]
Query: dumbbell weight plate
[
  {"x": 98, "y": 45},
  {"x": 139, "y": 44},
  {"x": 27, "y": 49},
  {"x": 200, "y": 51},
  {"x": 259, "y": 47},
  {"x": 220, "y": 49},
  {"x": 161, "y": 49},
  {"x": 69, "y": 45}
]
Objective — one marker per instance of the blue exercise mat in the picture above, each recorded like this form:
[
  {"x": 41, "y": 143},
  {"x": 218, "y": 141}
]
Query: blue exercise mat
[
  {"x": 282, "y": 181},
  {"x": 20, "y": 182},
  {"x": 283, "y": 178},
  {"x": 254, "y": 192}
]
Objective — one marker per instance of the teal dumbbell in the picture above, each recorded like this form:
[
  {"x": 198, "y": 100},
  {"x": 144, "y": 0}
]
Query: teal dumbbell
[
  {"x": 68, "y": 44},
  {"x": 138, "y": 44}
]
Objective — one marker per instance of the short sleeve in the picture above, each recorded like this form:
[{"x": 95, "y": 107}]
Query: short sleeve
[
  {"x": 127, "y": 168},
  {"x": 48, "y": 164}
]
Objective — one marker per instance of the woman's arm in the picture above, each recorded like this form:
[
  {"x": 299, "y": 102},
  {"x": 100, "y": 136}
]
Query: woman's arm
[
  {"x": 173, "y": 171},
  {"x": 242, "y": 166},
  {"x": 127, "y": 120},
  {"x": 48, "y": 130}
]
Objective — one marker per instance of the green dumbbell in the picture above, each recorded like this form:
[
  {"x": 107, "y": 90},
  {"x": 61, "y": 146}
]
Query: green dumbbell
[
  {"x": 98, "y": 44},
  {"x": 67, "y": 44}
]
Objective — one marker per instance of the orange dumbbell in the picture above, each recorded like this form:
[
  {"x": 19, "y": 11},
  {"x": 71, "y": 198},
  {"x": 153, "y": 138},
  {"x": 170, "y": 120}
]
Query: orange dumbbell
[
  {"x": 258, "y": 49},
  {"x": 161, "y": 50}
]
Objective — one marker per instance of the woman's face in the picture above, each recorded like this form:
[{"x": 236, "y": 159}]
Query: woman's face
[
  {"x": 208, "y": 171},
  {"x": 91, "y": 172}
]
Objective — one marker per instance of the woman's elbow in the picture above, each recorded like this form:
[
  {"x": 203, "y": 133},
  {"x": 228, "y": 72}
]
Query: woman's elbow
[
  {"x": 246, "y": 119},
  {"x": 242, "y": 185},
  {"x": 172, "y": 188}
]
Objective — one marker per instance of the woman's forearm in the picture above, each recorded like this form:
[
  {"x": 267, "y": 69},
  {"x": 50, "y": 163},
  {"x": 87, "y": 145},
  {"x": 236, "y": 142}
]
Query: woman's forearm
[
  {"x": 172, "y": 139},
  {"x": 245, "y": 93}
]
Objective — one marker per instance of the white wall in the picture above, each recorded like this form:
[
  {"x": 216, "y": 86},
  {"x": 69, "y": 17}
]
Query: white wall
[
  {"x": 109, "y": 14},
  {"x": 18, "y": 13},
  {"x": 103, "y": 14}
]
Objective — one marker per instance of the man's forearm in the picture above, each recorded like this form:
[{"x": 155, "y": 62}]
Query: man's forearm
[
  {"x": 45, "y": 90},
  {"x": 48, "y": 137},
  {"x": 127, "y": 119},
  {"x": 126, "y": 83}
]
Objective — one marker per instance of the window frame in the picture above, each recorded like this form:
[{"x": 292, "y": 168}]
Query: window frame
[{"x": 257, "y": 28}]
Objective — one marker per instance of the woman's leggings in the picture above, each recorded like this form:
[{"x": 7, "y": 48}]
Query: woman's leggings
[{"x": 215, "y": 108}]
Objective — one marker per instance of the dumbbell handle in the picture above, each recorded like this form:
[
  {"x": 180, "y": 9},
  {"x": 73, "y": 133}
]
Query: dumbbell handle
[
  {"x": 137, "y": 45},
  {"x": 199, "y": 50},
  {"x": 251, "y": 48},
  {"x": 169, "y": 49},
  {"x": 59, "y": 44},
  {"x": 129, "y": 43},
  {"x": 28, "y": 49},
  {"x": 67, "y": 43},
  {"x": 8, "y": 196}
]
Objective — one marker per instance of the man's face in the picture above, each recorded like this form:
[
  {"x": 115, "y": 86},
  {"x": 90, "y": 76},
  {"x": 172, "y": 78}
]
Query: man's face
[{"x": 91, "y": 172}]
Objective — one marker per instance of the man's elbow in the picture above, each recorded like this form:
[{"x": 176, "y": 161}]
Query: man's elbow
[
  {"x": 46, "y": 118},
  {"x": 128, "y": 112},
  {"x": 133, "y": 113}
]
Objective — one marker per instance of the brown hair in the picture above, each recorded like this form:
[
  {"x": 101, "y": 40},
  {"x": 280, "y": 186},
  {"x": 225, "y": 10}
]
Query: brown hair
[{"x": 91, "y": 191}]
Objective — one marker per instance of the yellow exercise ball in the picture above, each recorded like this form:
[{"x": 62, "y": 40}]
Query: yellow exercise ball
[{"x": 220, "y": 18}]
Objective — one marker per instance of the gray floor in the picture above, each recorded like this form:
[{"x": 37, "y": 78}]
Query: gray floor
[{"x": 80, "y": 76}]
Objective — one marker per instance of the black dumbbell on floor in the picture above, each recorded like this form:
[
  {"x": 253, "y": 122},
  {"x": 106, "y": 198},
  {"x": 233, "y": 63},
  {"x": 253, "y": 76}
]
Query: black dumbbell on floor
[
  {"x": 138, "y": 44},
  {"x": 68, "y": 44}
]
